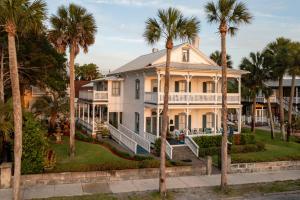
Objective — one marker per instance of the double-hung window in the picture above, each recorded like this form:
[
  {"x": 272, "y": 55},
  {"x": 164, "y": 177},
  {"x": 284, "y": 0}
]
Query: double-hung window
[
  {"x": 116, "y": 89},
  {"x": 137, "y": 89}
]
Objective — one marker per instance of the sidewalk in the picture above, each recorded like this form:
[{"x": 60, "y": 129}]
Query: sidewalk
[{"x": 45, "y": 191}]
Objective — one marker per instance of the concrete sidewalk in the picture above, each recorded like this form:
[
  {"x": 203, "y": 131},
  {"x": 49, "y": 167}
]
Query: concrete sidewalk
[{"x": 44, "y": 191}]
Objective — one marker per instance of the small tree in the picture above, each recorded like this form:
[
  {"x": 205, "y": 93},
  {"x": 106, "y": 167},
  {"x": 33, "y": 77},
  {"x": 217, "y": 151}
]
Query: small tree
[{"x": 216, "y": 56}]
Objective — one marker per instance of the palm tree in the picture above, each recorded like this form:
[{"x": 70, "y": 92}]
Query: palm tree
[
  {"x": 216, "y": 56},
  {"x": 74, "y": 28},
  {"x": 255, "y": 79},
  {"x": 170, "y": 25},
  {"x": 228, "y": 14},
  {"x": 19, "y": 16},
  {"x": 267, "y": 92},
  {"x": 294, "y": 71},
  {"x": 51, "y": 106},
  {"x": 278, "y": 56}
]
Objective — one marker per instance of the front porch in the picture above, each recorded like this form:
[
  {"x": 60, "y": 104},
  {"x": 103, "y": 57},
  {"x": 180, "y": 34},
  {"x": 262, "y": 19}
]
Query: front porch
[{"x": 189, "y": 122}]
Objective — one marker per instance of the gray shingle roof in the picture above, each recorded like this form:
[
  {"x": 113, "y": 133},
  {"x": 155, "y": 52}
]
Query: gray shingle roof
[{"x": 285, "y": 83}]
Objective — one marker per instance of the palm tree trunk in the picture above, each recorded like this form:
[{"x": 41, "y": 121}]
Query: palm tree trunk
[
  {"x": 17, "y": 113},
  {"x": 281, "y": 108},
  {"x": 253, "y": 114},
  {"x": 224, "y": 112},
  {"x": 72, "y": 102},
  {"x": 162, "y": 172},
  {"x": 2, "y": 74},
  {"x": 289, "y": 128},
  {"x": 271, "y": 118}
]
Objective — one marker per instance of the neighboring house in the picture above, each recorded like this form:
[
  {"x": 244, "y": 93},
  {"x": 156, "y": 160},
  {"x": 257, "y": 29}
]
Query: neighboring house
[
  {"x": 261, "y": 102},
  {"x": 131, "y": 98},
  {"x": 31, "y": 95}
]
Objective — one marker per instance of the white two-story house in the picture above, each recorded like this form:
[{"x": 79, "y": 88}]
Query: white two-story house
[{"x": 131, "y": 97}]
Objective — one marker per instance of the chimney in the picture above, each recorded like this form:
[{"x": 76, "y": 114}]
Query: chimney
[
  {"x": 196, "y": 42},
  {"x": 154, "y": 50}
]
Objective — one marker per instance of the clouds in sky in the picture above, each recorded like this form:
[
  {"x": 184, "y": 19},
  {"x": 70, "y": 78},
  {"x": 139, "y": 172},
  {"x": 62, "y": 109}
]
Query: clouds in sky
[{"x": 121, "y": 24}]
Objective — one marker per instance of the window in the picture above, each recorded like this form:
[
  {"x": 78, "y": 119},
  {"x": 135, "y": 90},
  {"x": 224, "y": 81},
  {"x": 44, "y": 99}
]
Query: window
[
  {"x": 180, "y": 86},
  {"x": 137, "y": 88},
  {"x": 185, "y": 55},
  {"x": 121, "y": 118},
  {"x": 154, "y": 85},
  {"x": 116, "y": 89},
  {"x": 136, "y": 122},
  {"x": 180, "y": 121},
  {"x": 208, "y": 87},
  {"x": 208, "y": 120}
]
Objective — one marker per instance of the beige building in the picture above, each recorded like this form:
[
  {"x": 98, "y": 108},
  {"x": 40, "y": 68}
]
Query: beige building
[{"x": 131, "y": 98}]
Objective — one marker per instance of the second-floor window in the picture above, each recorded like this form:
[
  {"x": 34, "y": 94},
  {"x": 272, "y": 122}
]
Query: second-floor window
[
  {"x": 185, "y": 55},
  {"x": 208, "y": 87},
  {"x": 116, "y": 88},
  {"x": 136, "y": 122},
  {"x": 137, "y": 89}
]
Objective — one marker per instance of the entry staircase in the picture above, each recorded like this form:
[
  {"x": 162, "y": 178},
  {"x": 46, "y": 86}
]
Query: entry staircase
[{"x": 286, "y": 106}]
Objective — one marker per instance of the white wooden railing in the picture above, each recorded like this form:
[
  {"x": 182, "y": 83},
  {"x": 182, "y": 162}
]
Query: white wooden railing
[
  {"x": 169, "y": 150},
  {"x": 122, "y": 138},
  {"x": 192, "y": 145},
  {"x": 185, "y": 97},
  {"x": 93, "y": 95},
  {"x": 85, "y": 124},
  {"x": 139, "y": 139},
  {"x": 150, "y": 137}
]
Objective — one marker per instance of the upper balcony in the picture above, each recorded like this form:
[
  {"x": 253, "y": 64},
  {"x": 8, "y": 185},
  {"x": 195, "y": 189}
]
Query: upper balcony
[
  {"x": 93, "y": 95},
  {"x": 191, "y": 98}
]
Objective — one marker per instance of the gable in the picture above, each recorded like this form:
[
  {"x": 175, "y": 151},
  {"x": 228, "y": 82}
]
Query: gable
[{"x": 195, "y": 56}]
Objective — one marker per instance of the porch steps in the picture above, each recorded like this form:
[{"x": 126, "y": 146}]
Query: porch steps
[{"x": 184, "y": 154}]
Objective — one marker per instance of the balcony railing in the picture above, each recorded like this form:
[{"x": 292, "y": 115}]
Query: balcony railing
[
  {"x": 93, "y": 95},
  {"x": 192, "y": 98}
]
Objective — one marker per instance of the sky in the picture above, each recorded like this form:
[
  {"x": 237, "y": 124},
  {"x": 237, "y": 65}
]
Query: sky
[{"x": 121, "y": 24}]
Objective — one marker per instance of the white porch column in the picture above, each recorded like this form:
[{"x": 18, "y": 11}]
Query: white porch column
[
  {"x": 215, "y": 79},
  {"x": 93, "y": 119},
  {"x": 215, "y": 119},
  {"x": 100, "y": 113},
  {"x": 88, "y": 107},
  {"x": 239, "y": 113},
  {"x": 83, "y": 111},
  {"x": 239, "y": 81},
  {"x": 79, "y": 111},
  {"x": 107, "y": 114},
  {"x": 158, "y": 87},
  {"x": 187, "y": 120},
  {"x": 157, "y": 122},
  {"x": 297, "y": 98}
]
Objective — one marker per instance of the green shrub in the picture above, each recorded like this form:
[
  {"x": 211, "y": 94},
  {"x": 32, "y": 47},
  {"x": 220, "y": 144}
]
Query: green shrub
[
  {"x": 82, "y": 137},
  {"x": 247, "y": 138},
  {"x": 259, "y": 146},
  {"x": 209, "y": 151},
  {"x": 149, "y": 164},
  {"x": 208, "y": 141},
  {"x": 34, "y": 145}
]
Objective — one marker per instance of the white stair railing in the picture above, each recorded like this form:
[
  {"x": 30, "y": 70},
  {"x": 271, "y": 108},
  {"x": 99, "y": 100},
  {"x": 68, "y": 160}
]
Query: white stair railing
[
  {"x": 122, "y": 138},
  {"x": 192, "y": 145},
  {"x": 139, "y": 139},
  {"x": 150, "y": 137},
  {"x": 169, "y": 150}
]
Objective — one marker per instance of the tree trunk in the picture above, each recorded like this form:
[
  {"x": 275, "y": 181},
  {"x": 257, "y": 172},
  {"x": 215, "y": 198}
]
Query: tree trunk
[
  {"x": 253, "y": 114},
  {"x": 224, "y": 112},
  {"x": 290, "y": 112},
  {"x": 2, "y": 74},
  {"x": 72, "y": 102},
  {"x": 162, "y": 172},
  {"x": 271, "y": 118},
  {"x": 17, "y": 111},
  {"x": 53, "y": 121},
  {"x": 281, "y": 108}
]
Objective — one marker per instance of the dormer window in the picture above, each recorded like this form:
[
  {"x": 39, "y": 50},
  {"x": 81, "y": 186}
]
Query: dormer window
[{"x": 185, "y": 55}]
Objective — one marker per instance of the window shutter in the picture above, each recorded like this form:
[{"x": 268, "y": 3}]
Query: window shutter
[
  {"x": 176, "y": 86},
  {"x": 190, "y": 86},
  {"x": 213, "y": 85},
  {"x": 213, "y": 119},
  {"x": 203, "y": 122},
  {"x": 204, "y": 87},
  {"x": 190, "y": 122},
  {"x": 176, "y": 122}
]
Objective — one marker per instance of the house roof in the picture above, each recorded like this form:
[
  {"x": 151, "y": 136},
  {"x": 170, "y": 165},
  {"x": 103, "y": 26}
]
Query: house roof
[
  {"x": 285, "y": 83},
  {"x": 150, "y": 61}
]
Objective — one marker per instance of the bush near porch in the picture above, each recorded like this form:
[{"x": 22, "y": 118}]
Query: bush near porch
[{"x": 241, "y": 143}]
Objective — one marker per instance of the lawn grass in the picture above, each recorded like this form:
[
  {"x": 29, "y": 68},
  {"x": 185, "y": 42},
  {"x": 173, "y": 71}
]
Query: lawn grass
[
  {"x": 276, "y": 150},
  {"x": 87, "y": 156}
]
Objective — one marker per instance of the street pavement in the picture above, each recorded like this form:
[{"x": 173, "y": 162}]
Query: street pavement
[{"x": 45, "y": 191}]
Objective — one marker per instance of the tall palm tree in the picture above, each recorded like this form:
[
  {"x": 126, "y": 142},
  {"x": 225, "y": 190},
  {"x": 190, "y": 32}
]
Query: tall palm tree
[
  {"x": 170, "y": 25},
  {"x": 228, "y": 14},
  {"x": 268, "y": 92},
  {"x": 19, "y": 16},
  {"x": 293, "y": 71},
  {"x": 279, "y": 58},
  {"x": 74, "y": 28},
  {"x": 216, "y": 56},
  {"x": 255, "y": 79}
]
